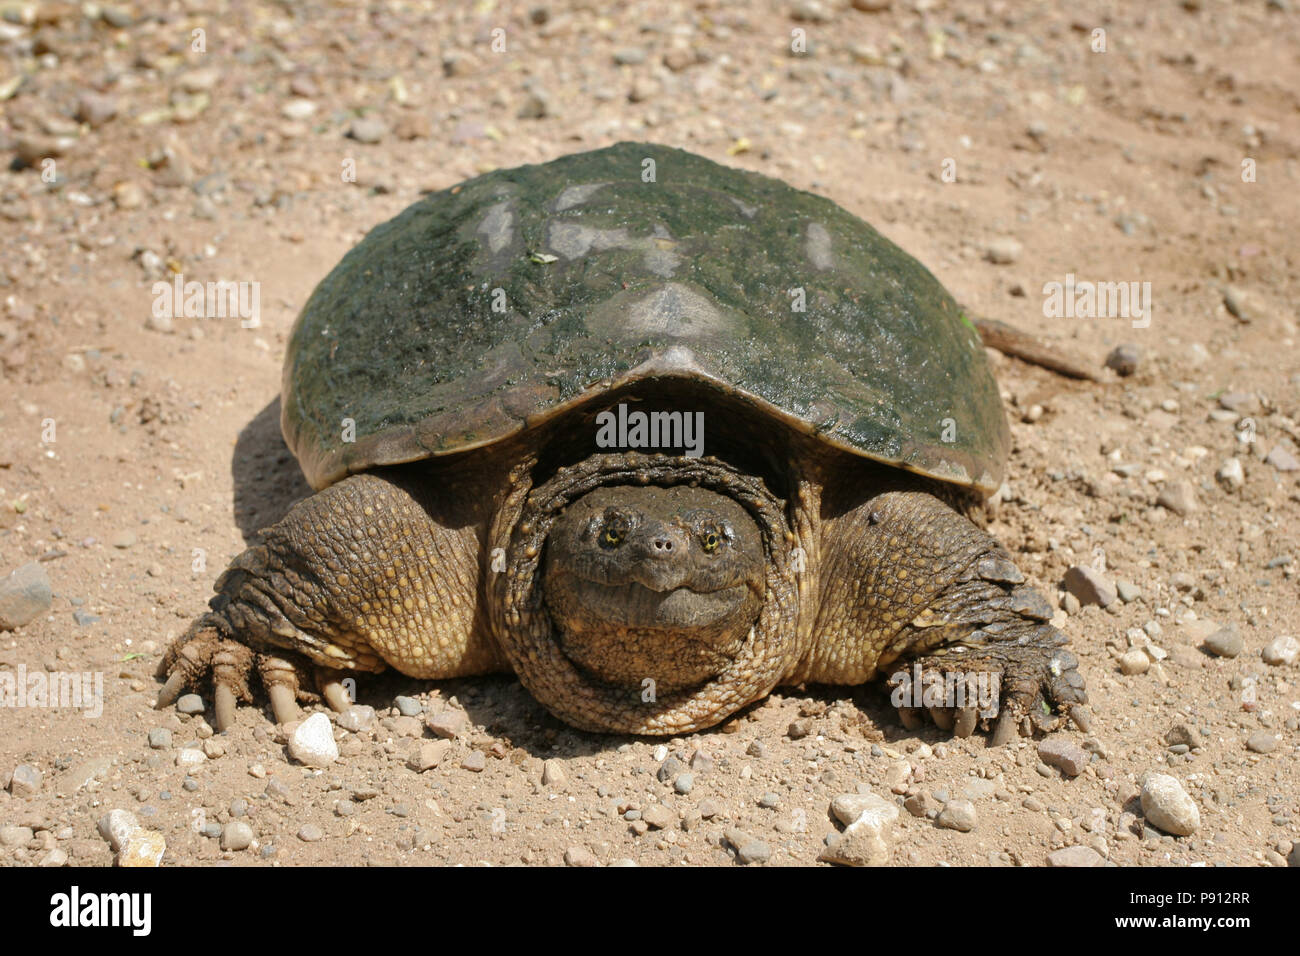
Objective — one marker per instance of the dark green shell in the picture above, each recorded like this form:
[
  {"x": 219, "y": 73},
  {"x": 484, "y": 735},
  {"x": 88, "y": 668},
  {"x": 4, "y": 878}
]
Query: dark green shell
[{"x": 488, "y": 307}]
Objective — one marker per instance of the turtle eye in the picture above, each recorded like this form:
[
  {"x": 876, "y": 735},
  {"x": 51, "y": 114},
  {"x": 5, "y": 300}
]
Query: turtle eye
[
  {"x": 614, "y": 532},
  {"x": 710, "y": 539}
]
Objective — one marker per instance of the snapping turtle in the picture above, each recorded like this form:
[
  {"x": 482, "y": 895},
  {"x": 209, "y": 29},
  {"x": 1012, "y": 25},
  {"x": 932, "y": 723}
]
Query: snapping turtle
[{"x": 655, "y": 435}]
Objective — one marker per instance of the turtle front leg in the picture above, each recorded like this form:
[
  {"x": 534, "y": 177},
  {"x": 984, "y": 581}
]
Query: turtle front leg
[
  {"x": 370, "y": 573},
  {"x": 912, "y": 590}
]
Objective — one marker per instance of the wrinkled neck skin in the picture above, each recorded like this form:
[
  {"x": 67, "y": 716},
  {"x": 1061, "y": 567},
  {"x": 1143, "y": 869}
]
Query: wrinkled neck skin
[{"x": 647, "y": 594}]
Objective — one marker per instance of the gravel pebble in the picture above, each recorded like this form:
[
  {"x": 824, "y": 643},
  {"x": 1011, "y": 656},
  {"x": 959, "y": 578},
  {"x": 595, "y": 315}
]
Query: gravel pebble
[
  {"x": 1064, "y": 755},
  {"x": 658, "y": 816},
  {"x": 701, "y": 762},
  {"x": 1128, "y": 591},
  {"x": 191, "y": 759},
  {"x": 95, "y": 108},
  {"x": 1134, "y": 661},
  {"x": 143, "y": 848},
  {"x": 15, "y": 836},
  {"x": 236, "y": 835},
  {"x": 669, "y": 769},
  {"x": 1003, "y": 251},
  {"x": 1234, "y": 300},
  {"x": 312, "y": 743},
  {"x": 1230, "y": 474},
  {"x": 1090, "y": 586},
  {"x": 1072, "y": 856},
  {"x": 1124, "y": 359},
  {"x": 1282, "y": 650},
  {"x": 1185, "y": 656},
  {"x": 553, "y": 774},
  {"x": 749, "y": 849},
  {"x": 1282, "y": 458},
  {"x": 1183, "y": 734},
  {"x": 1261, "y": 742},
  {"x": 367, "y": 129},
  {"x": 580, "y": 856},
  {"x": 1224, "y": 642},
  {"x": 536, "y": 105},
  {"x": 190, "y": 704},
  {"x": 408, "y": 706},
  {"x": 849, "y": 808},
  {"x": 405, "y": 726},
  {"x": 958, "y": 815},
  {"x": 298, "y": 108},
  {"x": 356, "y": 718},
  {"x": 864, "y": 843},
  {"x": 1167, "y": 806},
  {"x": 630, "y": 56},
  {"x": 25, "y": 781},
  {"x": 475, "y": 762},
  {"x": 310, "y": 833},
  {"x": 1178, "y": 497},
  {"x": 449, "y": 724},
  {"x": 116, "y": 827},
  {"x": 428, "y": 754},
  {"x": 160, "y": 738},
  {"x": 24, "y": 595}
]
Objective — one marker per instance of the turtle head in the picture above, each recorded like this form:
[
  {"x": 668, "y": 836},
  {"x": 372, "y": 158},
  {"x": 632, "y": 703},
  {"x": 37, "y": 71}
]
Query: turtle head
[{"x": 649, "y": 582}]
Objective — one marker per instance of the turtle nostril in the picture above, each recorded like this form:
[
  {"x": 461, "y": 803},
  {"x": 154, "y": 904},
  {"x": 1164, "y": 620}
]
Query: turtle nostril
[{"x": 662, "y": 544}]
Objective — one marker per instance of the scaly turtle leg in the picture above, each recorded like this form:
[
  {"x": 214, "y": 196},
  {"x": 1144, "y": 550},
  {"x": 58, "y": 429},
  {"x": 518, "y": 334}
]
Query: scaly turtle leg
[
  {"x": 370, "y": 573},
  {"x": 914, "y": 591}
]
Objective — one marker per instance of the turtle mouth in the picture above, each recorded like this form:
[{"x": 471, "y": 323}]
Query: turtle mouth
[
  {"x": 636, "y": 604},
  {"x": 623, "y": 633},
  {"x": 677, "y": 638}
]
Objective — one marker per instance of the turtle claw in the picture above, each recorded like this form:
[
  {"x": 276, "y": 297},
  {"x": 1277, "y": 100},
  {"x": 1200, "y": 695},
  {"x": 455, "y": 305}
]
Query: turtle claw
[
  {"x": 280, "y": 678},
  {"x": 1006, "y": 729},
  {"x": 202, "y": 653},
  {"x": 1022, "y": 676},
  {"x": 332, "y": 689},
  {"x": 910, "y": 718},
  {"x": 171, "y": 690},
  {"x": 223, "y": 706},
  {"x": 283, "y": 705},
  {"x": 942, "y": 717}
]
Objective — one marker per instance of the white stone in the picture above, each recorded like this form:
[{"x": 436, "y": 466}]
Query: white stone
[
  {"x": 849, "y": 808},
  {"x": 1231, "y": 475},
  {"x": 144, "y": 848},
  {"x": 312, "y": 744},
  {"x": 116, "y": 827},
  {"x": 865, "y": 843},
  {"x": 1134, "y": 662},
  {"x": 356, "y": 718},
  {"x": 191, "y": 759},
  {"x": 1167, "y": 806},
  {"x": 1282, "y": 650}
]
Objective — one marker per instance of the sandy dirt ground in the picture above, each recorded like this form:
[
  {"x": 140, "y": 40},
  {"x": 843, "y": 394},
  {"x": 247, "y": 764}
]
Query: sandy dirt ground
[{"x": 1006, "y": 145}]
